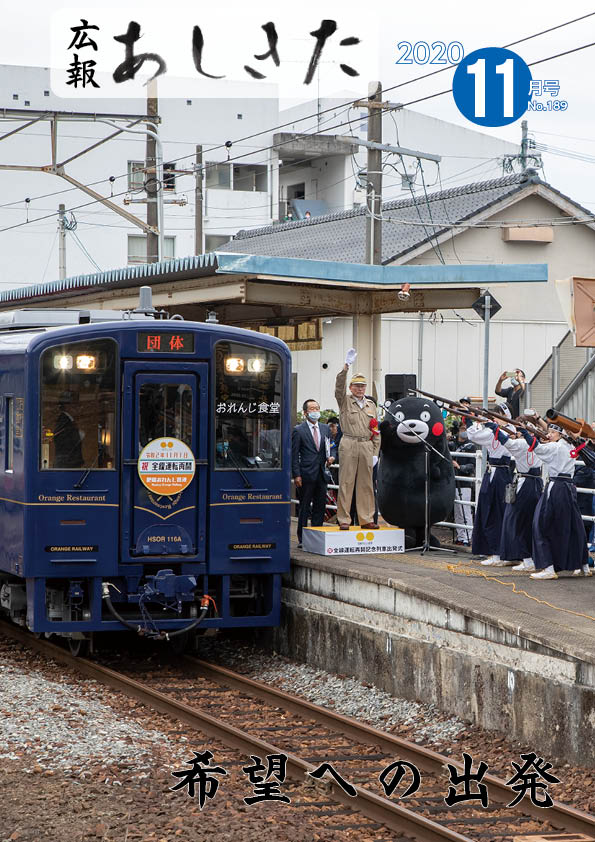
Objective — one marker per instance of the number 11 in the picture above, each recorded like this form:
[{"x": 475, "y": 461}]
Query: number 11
[{"x": 506, "y": 69}]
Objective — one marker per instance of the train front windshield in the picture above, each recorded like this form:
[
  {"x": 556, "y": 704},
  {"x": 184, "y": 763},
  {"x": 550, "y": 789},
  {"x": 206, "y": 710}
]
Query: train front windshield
[
  {"x": 78, "y": 406},
  {"x": 248, "y": 395}
]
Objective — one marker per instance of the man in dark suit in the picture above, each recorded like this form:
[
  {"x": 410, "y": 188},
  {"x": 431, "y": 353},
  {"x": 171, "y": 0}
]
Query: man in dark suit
[{"x": 310, "y": 456}]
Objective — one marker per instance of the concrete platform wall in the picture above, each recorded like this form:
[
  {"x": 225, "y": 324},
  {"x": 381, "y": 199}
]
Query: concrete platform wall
[{"x": 423, "y": 651}]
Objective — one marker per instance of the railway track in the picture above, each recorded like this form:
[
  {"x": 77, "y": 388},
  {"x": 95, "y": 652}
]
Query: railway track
[{"x": 256, "y": 719}]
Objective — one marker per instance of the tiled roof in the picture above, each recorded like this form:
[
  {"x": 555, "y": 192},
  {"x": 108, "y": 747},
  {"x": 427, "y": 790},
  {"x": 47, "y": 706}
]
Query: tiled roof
[{"x": 341, "y": 236}]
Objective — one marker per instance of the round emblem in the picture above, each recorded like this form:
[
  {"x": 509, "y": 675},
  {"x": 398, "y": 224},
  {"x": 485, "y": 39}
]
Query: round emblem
[
  {"x": 491, "y": 86},
  {"x": 166, "y": 466}
]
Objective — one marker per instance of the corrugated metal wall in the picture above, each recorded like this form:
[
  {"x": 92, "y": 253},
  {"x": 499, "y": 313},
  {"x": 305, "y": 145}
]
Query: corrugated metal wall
[
  {"x": 571, "y": 360},
  {"x": 582, "y": 403}
]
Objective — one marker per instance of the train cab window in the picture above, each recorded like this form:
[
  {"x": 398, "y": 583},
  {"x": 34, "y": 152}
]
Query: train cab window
[
  {"x": 247, "y": 408},
  {"x": 9, "y": 434},
  {"x": 78, "y": 406},
  {"x": 165, "y": 410}
]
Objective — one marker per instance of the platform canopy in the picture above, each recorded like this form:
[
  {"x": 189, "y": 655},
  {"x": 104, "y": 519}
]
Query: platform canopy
[{"x": 252, "y": 290}]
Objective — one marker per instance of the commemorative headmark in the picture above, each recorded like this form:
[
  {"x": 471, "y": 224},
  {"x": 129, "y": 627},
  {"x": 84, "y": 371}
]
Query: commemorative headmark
[{"x": 166, "y": 466}]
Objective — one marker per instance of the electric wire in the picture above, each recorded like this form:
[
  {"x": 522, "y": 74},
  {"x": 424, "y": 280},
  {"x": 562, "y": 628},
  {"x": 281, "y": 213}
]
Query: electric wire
[
  {"x": 411, "y": 102},
  {"x": 385, "y": 90}
]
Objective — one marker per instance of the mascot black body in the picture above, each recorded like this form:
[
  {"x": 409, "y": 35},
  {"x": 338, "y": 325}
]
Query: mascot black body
[{"x": 402, "y": 471}]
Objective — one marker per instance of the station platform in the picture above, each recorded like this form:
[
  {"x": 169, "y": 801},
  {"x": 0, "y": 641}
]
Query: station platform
[{"x": 489, "y": 645}]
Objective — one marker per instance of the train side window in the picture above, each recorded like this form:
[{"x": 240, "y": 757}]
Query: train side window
[
  {"x": 248, "y": 407},
  {"x": 78, "y": 406},
  {"x": 9, "y": 433}
]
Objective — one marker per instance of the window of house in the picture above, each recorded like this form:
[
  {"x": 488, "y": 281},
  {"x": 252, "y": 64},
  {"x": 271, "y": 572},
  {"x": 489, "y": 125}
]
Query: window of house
[
  {"x": 169, "y": 177},
  {"x": 137, "y": 248},
  {"x": 250, "y": 177},
  {"x": 296, "y": 191},
  {"x": 136, "y": 175},
  {"x": 213, "y": 241},
  {"x": 218, "y": 176}
]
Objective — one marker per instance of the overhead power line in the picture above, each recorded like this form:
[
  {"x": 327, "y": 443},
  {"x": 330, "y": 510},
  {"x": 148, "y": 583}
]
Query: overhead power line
[
  {"x": 345, "y": 123},
  {"x": 318, "y": 114}
]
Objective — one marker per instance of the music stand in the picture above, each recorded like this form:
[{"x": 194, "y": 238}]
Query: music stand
[{"x": 426, "y": 547}]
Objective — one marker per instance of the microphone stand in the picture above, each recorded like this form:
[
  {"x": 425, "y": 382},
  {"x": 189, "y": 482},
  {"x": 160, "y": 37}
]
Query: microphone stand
[{"x": 426, "y": 547}]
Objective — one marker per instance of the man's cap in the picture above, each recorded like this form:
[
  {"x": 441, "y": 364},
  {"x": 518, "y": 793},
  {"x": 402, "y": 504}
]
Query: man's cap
[
  {"x": 358, "y": 380},
  {"x": 464, "y": 400}
]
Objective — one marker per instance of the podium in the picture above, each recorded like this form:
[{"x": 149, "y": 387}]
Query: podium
[{"x": 329, "y": 540}]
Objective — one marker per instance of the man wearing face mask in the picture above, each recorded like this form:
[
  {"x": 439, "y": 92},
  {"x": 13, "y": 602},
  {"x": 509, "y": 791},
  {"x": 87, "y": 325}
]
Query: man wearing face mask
[
  {"x": 514, "y": 392},
  {"x": 310, "y": 457}
]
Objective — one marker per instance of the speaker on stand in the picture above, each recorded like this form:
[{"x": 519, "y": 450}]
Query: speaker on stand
[{"x": 397, "y": 386}]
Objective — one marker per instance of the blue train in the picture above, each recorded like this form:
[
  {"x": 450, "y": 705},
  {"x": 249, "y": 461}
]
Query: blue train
[{"x": 144, "y": 473}]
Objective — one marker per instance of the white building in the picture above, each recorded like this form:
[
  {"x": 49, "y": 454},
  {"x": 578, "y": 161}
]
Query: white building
[
  {"x": 511, "y": 220},
  {"x": 249, "y": 190}
]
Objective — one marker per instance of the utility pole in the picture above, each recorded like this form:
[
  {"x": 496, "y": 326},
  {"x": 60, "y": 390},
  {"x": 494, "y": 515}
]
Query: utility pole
[
  {"x": 524, "y": 146},
  {"x": 367, "y": 330},
  {"x": 374, "y": 179},
  {"x": 198, "y": 249},
  {"x": 152, "y": 186},
  {"x": 372, "y": 325},
  {"x": 62, "y": 242}
]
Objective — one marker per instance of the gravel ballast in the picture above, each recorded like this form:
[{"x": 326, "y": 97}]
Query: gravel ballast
[{"x": 83, "y": 762}]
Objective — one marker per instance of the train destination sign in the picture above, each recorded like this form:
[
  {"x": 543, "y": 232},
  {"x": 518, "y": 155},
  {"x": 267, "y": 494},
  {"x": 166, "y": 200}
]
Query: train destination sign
[
  {"x": 166, "y": 466},
  {"x": 165, "y": 342}
]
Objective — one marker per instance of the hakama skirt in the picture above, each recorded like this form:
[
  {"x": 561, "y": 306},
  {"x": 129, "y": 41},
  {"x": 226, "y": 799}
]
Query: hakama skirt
[
  {"x": 487, "y": 527},
  {"x": 558, "y": 533},
  {"x": 517, "y": 524}
]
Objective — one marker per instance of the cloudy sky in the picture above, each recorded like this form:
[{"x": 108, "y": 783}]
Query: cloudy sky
[{"x": 35, "y": 34}]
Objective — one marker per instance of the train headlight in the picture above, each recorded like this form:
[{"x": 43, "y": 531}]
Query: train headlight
[
  {"x": 234, "y": 365},
  {"x": 256, "y": 364},
  {"x": 85, "y": 362},
  {"x": 63, "y": 362},
  {"x": 86, "y": 614}
]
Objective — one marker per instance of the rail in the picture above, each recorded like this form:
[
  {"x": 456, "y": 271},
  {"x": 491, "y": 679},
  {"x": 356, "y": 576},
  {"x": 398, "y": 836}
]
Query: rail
[{"x": 398, "y": 818}]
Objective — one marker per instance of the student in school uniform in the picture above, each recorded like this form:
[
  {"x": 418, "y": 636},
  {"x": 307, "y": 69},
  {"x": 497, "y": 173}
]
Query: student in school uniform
[
  {"x": 559, "y": 541},
  {"x": 487, "y": 527},
  {"x": 516, "y": 542}
]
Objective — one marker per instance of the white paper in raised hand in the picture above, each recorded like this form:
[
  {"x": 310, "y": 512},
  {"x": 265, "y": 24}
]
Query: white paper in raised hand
[{"x": 351, "y": 355}]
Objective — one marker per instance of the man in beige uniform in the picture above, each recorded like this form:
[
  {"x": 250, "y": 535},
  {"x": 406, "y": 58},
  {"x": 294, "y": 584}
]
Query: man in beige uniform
[{"x": 358, "y": 450}]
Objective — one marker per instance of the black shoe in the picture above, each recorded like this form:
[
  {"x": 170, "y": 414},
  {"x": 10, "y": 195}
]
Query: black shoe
[{"x": 299, "y": 546}]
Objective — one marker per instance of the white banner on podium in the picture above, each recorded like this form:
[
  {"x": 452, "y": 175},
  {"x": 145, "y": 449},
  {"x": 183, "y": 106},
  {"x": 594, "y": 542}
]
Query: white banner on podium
[{"x": 329, "y": 540}]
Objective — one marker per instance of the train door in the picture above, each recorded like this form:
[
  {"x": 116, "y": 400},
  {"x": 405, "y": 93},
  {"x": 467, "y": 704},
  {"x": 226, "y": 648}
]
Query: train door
[{"x": 164, "y": 431}]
